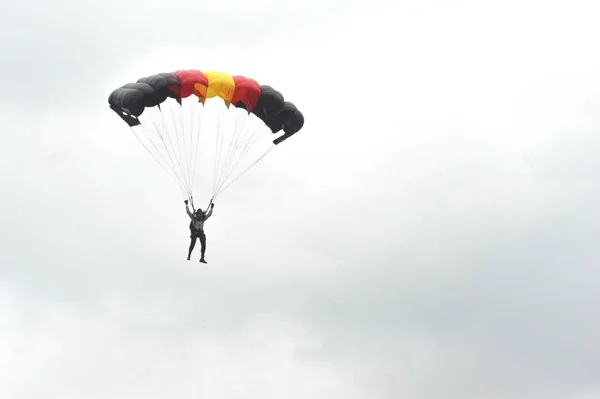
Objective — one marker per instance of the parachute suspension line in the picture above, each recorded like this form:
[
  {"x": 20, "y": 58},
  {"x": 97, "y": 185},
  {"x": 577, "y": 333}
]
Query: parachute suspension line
[
  {"x": 157, "y": 124},
  {"x": 226, "y": 164},
  {"x": 149, "y": 132},
  {"x": 182, "y": 122},
  {"x": 252, "y": 132},
  {"x": 169, "y": 170},
  {"x": 223, "y": 182},
  {"x": 245, "y": 170},
  {"x": 195, "y": 128},
  {"x": 223, "y": 155},
  {"x": 219, "y": 144},
  {"x": 250, "y": 135},
  {"x": 246, "y": 140},
  {"x": 177, "y": 121},
  {"x": 216, "y": 160},
  {"x": 174, "y": 121},
  {"x": 233, "y": 148},
  {"x": 231, "y": 167},
  {"x": 223, "y": 166},
  {"x": 187, "y": 117},
  {"x": 216, "y": 165},
  {"x": 171, "y": 149},
  {"x": 195, "y": 157},
  {"x": 180, "y": 132}
]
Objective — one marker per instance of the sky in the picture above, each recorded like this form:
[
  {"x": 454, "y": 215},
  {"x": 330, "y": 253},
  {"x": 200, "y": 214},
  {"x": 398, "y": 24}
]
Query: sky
[{"x": 428, "y": 234}]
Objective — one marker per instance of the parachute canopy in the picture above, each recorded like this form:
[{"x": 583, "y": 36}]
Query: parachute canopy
[
  {"x": 168, "y": 113},
  {"x": 130, "y": 101}
]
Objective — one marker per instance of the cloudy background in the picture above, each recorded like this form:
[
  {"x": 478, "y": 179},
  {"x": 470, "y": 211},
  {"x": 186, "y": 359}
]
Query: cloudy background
[{"x": 430, "y": 233}]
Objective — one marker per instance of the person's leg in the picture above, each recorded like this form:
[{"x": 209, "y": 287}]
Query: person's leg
[
  {"x": 202, "y": 237},
  {"x": 192, "y": 244}
]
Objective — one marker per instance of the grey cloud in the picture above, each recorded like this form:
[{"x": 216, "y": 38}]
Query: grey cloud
[{"x": 430, "y": 233}]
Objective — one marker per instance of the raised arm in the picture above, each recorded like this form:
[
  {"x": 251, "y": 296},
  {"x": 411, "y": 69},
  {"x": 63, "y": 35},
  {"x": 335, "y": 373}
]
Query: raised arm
[
  {"x": 210, "y": 211},
  {"x": 187, "y": 209}
]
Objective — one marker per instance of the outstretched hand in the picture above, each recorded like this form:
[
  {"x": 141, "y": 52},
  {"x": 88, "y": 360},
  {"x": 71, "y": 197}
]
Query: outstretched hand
[
  {"x": 186, "y": 202},
  {"x": 212, "y": 205}
]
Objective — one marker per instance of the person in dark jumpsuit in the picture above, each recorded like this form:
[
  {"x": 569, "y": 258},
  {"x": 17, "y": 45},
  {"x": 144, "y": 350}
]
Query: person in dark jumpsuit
[{"x": 197, "y": 229}]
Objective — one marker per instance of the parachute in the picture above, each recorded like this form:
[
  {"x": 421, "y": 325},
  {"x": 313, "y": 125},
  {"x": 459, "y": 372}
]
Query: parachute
[{"x": 180, "y": 116}]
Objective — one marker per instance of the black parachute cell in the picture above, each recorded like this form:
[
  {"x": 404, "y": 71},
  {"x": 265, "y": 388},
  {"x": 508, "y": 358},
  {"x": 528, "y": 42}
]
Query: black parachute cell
[
  {"x": 160, "y": 87},
  {"x": 285, "y": 112},
  {"x": 128, "y": 103},
  {"x": 268, "y": 106},
  {"x": 150, "y": 98},
  {"x": 130, "y": 100},
  {"x": 291, "y": 121},
  {"x": 161, "y": 84},
  {"x": 171, "y": 80},
  {"x": 241, "y": 105}
]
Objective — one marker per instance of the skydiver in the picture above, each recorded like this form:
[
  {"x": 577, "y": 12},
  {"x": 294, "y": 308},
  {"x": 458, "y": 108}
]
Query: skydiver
[{"x": 197, "y": 228}]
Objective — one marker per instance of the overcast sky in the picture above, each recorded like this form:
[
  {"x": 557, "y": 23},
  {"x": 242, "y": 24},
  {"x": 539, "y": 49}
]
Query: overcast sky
[{"x": 430, "y": 233}]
